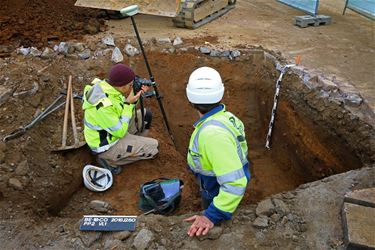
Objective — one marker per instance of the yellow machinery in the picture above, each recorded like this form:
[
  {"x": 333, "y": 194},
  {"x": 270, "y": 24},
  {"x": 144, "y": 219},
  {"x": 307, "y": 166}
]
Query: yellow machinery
[{"x": 185, "y": 13}]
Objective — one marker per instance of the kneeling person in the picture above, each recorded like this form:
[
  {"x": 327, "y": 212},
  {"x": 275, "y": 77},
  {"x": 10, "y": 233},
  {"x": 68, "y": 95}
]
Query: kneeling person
[{"x": 110, "y": 128}]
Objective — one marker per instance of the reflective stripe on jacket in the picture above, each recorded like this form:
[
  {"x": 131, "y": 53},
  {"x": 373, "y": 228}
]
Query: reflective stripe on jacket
[
  {"x": 218, "y": 149},
  {"x": 107, "y": 116}
]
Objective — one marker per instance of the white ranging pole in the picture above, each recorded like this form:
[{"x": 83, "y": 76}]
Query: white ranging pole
[{"x": 275, "y": 102}]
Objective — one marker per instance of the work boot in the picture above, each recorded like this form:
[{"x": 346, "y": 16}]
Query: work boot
[{"x": 104, "y": 164}]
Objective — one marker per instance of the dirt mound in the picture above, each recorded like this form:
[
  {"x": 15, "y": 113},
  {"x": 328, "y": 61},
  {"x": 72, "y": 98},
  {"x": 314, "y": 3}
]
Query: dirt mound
[{"x": 35, "y": 22}]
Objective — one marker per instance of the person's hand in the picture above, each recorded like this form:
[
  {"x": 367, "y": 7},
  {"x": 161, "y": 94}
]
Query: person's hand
[
  {"x": 133, "y": 98},
  {"x": 201, "y": 225},
  {"x": 145, "y": 88}
]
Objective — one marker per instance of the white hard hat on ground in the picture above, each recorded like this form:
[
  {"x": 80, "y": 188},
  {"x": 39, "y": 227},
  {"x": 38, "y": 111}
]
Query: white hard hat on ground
[
  {"x": 97, "y": 179},
  {"x": 205, "y": 86}
]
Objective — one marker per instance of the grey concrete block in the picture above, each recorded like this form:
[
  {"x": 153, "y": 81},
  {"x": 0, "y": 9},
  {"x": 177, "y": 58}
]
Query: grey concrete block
[
  {"x": 305, "y": 21},
  {"x": 358, "y": 226}
]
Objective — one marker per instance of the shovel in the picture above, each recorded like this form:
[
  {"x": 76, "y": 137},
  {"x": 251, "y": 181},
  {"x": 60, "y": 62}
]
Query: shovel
[
  {"x": 55, "y": 105},
  {"x": 70, "y": 102}
]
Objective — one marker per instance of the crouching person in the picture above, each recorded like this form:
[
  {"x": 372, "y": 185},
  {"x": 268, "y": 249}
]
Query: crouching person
[{"x": 109, "y": 118}]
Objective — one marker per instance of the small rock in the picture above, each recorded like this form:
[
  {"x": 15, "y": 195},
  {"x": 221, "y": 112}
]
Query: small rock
[
  {"x": 205, "y": 50},
  {"x": 294, "y": 238},
  {"x": 22, "y": 168},
  {"x": 122, "y": 235},
  {"x": 163, "y": 241},
  {"x": 290, "y": 217},
  {"x": 92, "y": 27},
  {"x": 108, "y": 40},
  {"x": 275, "y": 217},
  {"x": 117, "y": 56},
  {"x": 284, "y": 220},
  {"x": 45, "y": 78},
  {"x": 165, "y": 40},
  {"x": 77, "y": 243},
  {"x": 225, "y": 53},
  {"x": 265, "y": 207},
  {"x": 4, "y": 95},
  {"x": 35, "y": 52},
  {"x": 130, "y": 50},
  {"x": 100, "y": 206},
  {"x": 112, "y": 244},
  {"x": 260, "y": 236},
  {"x": 215, "y": 53},
  {"x": 281, "y": 207},
  {"x": 261, "y": 222},
  {"x": 47, "y": 53},
  {"x": 79, "y": 47},
  {"x": 15, "y": 183},
  {"x": 23, "y": 51},
  {"x": 71, "y": 49},
  {"x": 61, "y": 229},
  {"x": 85, "y": 54},
  {"x": 88, "y": 238},
  {"x": 235, "y": 53},
  {"x": 352, "y": 99},
  {"x": 177, "y": 41},
  {"x": 63, "y": 48},
  {"x": 143, "y": 239},
  {"x": 213, "y": 234}
]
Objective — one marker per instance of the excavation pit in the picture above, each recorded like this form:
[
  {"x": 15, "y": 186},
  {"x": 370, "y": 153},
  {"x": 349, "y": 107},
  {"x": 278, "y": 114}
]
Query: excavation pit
[{"x": 315, "y": 135}]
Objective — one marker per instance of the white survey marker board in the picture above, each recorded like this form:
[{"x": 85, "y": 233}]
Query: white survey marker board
[{"x": 108, "y": 223}]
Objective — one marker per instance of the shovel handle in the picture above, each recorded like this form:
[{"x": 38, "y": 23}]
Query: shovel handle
[
  {"x": 65, "y": 125},
  {"x": 73, "y": 118}
]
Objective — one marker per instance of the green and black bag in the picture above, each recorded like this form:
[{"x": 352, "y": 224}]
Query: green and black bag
[{"x": 160, "y": 196}]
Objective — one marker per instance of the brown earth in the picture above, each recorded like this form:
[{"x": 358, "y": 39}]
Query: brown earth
[{"x": 36, "y": 22}]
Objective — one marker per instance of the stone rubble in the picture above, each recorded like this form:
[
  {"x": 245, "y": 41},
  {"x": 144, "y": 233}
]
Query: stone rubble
[
  {"x": 84, "y": 55},
  {"x": 143, "y": 239},
  {"x": 35, "y": 52},
  {"x": 100, "y": 206},
  {"x": 131, "y": 50},
  {"x": 109, "y": 40},
  {"x": 117, "y": 56},
  {"x": 177, "y": 41},
  {"x": 15, "y": 183}
]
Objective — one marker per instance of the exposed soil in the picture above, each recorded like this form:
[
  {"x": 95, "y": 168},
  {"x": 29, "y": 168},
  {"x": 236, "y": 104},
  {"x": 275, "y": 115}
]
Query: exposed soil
[
  {"x": 37, "y": 22},
  {"x": 303, "y": 149}
]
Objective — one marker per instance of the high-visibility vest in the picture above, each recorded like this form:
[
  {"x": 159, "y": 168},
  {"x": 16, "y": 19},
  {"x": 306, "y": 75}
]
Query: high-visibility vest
[
  {"x": 218, "y": 149},
  {"x": 107, "y": 115}
]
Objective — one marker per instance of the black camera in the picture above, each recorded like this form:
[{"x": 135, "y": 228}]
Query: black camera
[{"x": 139, "y": 82}]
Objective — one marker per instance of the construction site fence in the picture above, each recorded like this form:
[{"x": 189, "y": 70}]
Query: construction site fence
[
  {"x": 363, "y": 7},
  {"x": 307, "y": 6}
]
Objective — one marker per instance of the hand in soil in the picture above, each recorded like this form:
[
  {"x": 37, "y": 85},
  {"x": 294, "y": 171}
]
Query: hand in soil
[{"x": 201, "y": 225}]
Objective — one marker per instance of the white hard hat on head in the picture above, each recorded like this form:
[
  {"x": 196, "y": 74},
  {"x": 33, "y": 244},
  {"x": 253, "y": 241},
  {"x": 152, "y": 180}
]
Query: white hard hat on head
[{"x": 205, "y": 86}]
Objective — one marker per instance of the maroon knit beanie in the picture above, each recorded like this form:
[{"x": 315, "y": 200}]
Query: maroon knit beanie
[{"x": 120, "y": 75}]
